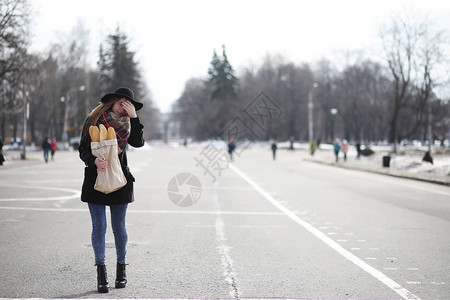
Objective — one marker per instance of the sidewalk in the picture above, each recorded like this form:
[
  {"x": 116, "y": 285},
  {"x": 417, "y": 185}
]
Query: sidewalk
[
  {"x": 13, "y": 158},
  {"x": 374, "y": 164}
]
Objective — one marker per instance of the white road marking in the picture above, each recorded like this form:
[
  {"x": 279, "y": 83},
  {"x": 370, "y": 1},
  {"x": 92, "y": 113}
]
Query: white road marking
[
  {"x": 343, "y": 241},
  {"x": 392, "y": 269},
  {"x": 437, "y": 283},
  {"x": 185, "y": 212},
  {"x": 164, "y": 187},
  {"x": 113, "y": 298},
  {"x": 404, "y": 293},
  {"x": 413, "y": 282},
  {"x": 224, "y": 251},
  {"x": 412, "y": 269},
  {"x": 258, "y": 227},
  {"x": 356, "y": 249},
  {"x": 198, "y": 226},
  {"x": 75, "y": 193},
  {"x": 371, "y": 258},
  {"x": 52, "y": 181},
  {"x": 9, "y": 220},
  {"x": 48, "y": 209}
]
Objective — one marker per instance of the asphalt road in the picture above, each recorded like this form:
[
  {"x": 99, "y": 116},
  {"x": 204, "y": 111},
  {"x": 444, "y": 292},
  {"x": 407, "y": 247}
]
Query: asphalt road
[{"x": 264, "y": 229}]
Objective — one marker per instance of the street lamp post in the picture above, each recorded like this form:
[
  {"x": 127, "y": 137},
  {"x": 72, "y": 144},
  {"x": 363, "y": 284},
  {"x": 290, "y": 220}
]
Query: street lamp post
[
  {"x": 429, "y": 129},
  {"x": 66, "y": 99},
  {"x": 26, "y": 114},
  {"x": 333, "y": 112},
  {"x": 310, "y": 113}
]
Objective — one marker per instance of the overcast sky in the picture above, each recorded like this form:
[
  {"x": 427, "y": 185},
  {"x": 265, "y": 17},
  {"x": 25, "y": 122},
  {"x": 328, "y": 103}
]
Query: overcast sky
[{"x": 175, "y": 39}]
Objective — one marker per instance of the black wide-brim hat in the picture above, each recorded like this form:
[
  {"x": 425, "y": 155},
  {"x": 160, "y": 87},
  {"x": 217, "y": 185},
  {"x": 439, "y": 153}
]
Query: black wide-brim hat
[{"x": 123, "y": 92}]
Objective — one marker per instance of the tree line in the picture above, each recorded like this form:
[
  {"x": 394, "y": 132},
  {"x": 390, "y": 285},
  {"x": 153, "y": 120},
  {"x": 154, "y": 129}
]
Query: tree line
[
  {"x": 57, "y": 89},
  {"x": 388, "y": 99},
  {"x": 392, "y": 98}
]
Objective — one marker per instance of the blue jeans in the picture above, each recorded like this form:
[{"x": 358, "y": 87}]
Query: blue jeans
[
  {"x": 98, "y": 216},
  {"x": 46, "y": 155}
]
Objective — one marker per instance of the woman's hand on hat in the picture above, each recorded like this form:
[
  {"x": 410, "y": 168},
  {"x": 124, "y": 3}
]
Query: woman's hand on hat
[
  {"x": 129, "y": 108},
  {"x": 101, "y": 164}
]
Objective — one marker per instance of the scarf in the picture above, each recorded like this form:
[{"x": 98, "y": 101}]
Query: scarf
[{"x": 120, "y": 124}]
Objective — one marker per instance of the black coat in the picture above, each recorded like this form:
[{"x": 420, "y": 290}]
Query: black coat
[{"x": 125, "y": 194}]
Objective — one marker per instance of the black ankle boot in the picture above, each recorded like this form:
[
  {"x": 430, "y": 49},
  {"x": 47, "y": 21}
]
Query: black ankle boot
[
  {"x": 102, "y": 279},
  {"x": 121, "y": 276}
]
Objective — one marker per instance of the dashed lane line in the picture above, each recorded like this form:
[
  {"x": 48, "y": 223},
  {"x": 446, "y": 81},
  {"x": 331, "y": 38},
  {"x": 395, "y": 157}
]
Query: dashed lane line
[
  {"x": 404, "y": 293},
  {"x": 227, "y": 262}
]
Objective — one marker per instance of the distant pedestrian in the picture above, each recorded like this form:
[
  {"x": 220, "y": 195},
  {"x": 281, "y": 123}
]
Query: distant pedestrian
[
  {"x": 53, "y": 147},
  {"x": 319, "y": 140},
  {"x": 345, "y": 148},
  {"x": 291, "y": 141},
  {"x": 274, "y": 149},
  {"x": 117, "y": 110},
  {"x": 337, "y": 148},
  {"x": 46, "y": 147},
  {"x": 231, "y": 148},
  {"x": 358, "y": 149},
  {"x": 2, "y": 158},
  {"x": 313, "y": 147}
]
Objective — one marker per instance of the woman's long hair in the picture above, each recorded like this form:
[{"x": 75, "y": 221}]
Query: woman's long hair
[{"x": 93, "y": 117}]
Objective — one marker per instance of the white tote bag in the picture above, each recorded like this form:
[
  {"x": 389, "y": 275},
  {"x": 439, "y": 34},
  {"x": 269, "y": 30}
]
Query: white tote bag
[{"x": 113, "y": 178}]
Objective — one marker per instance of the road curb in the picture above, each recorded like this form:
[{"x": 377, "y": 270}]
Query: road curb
[{"x": 387, "y": 172}]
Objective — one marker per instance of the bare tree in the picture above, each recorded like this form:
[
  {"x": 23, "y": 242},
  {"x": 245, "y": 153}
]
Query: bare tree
[
  {"x": 14, "y": 17},
  {"x": 325, "y": 75},
  {"x": 191, "y": 109},
  {"x": 412, "y": 49},
  {"x": 360, "y": 92}
]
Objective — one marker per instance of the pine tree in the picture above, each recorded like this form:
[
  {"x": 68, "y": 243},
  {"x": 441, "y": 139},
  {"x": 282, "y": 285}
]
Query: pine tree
[
  {"x": 222, "y": 81},
  {"x": 222, "y": 87},
  {"x": 117, "y": 66},
  {"x": 105, "y": 70}
]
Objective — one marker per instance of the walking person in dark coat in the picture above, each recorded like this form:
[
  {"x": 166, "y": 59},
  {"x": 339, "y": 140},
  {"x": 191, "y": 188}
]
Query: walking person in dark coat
[
  {"x": 231, "y": 148},
  {"x": 117, "y": 110},
  {"x": 2, "y": 159},
  {"x": 358, "y": 149},
  {"x": 46, "y": 147},
  {"x": 274, "y": 149}
]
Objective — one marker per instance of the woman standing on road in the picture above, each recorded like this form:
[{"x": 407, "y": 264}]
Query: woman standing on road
[{"x": 117, "y": 110}]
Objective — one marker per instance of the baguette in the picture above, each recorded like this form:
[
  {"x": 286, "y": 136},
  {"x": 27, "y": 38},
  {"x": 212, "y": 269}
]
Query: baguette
[
  {"x": 111, "y": 133},
  {"x": 94, "y": 133},
  {"x": 103, "y": 133}
]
